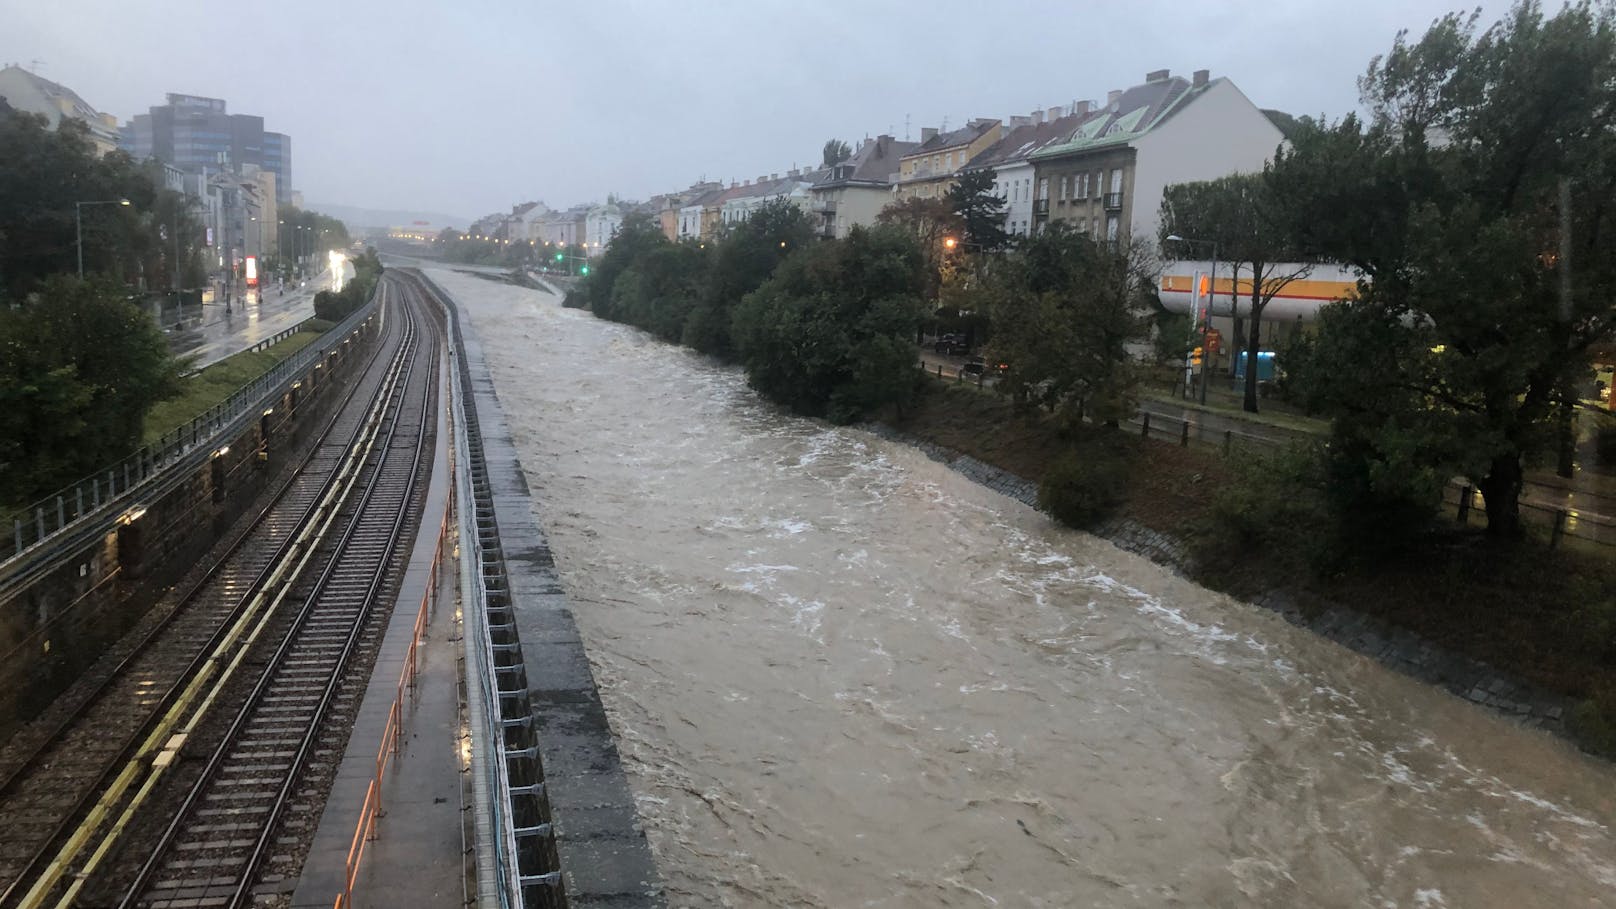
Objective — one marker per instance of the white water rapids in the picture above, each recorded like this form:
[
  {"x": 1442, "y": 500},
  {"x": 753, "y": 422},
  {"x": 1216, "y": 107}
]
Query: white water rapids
[{"x": 842, "y": 675}]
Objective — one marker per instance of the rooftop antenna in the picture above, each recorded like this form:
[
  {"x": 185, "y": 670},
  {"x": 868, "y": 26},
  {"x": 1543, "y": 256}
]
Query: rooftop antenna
[
  {"x": 945, "y": 125},
  {"x": 33, "y": 66},
  {"x": 906, "y": 127}
]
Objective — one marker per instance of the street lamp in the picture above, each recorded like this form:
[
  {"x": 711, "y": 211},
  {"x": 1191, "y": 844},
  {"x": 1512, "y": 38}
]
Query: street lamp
[
  {"x": 1211, "y": 295},
  {"x": 78, "y": 224}
]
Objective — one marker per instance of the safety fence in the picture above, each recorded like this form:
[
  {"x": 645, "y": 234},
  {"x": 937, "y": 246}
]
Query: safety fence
[
  {"x": 393, "y": 730},
  {"x": 1563, "y": 522},
  {"x": 55, "y": 513}
]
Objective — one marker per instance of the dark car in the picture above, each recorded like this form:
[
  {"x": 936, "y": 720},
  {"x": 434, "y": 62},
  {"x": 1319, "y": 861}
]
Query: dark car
[
  {"x": 975, "y": 366},
  {"x": 950, "y": 344}
]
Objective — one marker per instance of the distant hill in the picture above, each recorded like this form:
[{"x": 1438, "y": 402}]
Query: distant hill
[{"x": 359, "y": 218}]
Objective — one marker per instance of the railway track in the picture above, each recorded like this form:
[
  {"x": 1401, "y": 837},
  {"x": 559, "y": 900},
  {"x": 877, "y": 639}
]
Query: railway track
[{"x": 265, "y": 634}]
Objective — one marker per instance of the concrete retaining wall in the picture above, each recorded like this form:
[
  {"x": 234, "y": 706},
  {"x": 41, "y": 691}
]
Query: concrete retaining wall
[{"x": 66, "y": 618}]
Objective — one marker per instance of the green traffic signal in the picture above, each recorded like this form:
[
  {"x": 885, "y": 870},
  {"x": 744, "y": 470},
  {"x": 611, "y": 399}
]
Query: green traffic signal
[
  {"x": 584, "y": 270},
  {"x": 558, "y": 257}
]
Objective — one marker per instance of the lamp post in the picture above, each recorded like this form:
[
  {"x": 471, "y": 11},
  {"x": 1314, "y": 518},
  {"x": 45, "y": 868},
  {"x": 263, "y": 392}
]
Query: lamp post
[
  {"x": 78, "y": 225},
  {"x": 1211, "y": 294}
]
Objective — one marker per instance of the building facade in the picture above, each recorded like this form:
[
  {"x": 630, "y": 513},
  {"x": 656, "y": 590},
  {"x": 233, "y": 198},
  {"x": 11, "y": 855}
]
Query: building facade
[
  {"x": 929, "y": 170},
  {"x": 25, "y": 91},
  {"x": 853, "y": 192},
  {"x": 195, "y": 133},
  {"x": 1010, "y": 159},
  {"x": 1106, "y": 178}
]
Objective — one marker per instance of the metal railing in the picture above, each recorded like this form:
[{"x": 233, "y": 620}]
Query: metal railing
[
  {"x": 1458, "y": 497},
  {"x": 502, "y": 883},
  {"x": 393, "y": 730},
  {"x": 111, "y": 486},
  {"x": 265, "y": 344},
  {"x": 1113, "y": 201}
]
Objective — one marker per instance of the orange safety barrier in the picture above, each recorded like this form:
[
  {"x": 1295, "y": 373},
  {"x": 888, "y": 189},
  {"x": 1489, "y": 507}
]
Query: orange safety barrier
[{"x": 393, "y": 732}]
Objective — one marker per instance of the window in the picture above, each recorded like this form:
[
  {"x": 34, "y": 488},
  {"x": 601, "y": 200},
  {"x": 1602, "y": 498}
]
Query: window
[
  {"x": 1116, "y": 181},
  {"x": 1043, "y": 188},
  {"x": 1063, "y": 189},
  {"x": 1112, "y": 225}
]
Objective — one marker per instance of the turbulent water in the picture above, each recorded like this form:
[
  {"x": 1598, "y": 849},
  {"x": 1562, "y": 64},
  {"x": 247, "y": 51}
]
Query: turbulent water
[{"x": 842, "y": 675}]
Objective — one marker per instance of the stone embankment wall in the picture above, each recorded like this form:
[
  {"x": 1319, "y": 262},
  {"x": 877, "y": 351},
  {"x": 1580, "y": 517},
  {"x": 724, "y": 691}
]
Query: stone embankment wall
[
  {"x": 1394, "y": 647},
  {"x": 64, "y": 619}
]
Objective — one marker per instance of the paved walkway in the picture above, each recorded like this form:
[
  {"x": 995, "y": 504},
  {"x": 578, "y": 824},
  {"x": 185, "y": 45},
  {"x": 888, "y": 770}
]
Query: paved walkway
[{"x": 416, "y": 859}]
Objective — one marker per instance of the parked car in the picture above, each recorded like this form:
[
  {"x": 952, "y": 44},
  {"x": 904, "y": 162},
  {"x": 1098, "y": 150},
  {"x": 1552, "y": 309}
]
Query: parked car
[
  {"x": 950, "y": 344},
  {"x": 975, "y": 366}
]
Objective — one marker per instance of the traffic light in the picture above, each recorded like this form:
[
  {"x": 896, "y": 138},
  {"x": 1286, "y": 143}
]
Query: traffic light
[
  {"x": 584, "y": 271},
  {"x": 558, "y": 256}
]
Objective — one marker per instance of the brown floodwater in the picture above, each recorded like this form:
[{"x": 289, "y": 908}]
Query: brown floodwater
[{"x": 842, "y": 675}]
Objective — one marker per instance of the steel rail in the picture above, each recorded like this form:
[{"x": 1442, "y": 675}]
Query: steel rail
[{"x": 257, "y": 609}]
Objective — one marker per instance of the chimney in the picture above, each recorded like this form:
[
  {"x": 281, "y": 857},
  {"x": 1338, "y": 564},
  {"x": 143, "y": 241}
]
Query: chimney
[
  {"x": 928, "y": 133},
  {"x": 1082, "y": 107},
  {"x": 1037, "y": 117},
  {"x": 1159, "y": 75},
  {"x": 1112, "y": 96},
  {"x": 1017, "y": 122},
  {"x": 1200, "y": 78},
  {"x": 1054, "y": 113},
  {"x": 773, "y": 177}
]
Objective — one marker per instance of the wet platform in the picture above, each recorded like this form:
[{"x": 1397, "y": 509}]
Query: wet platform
[{"x": 418, "y": 858}]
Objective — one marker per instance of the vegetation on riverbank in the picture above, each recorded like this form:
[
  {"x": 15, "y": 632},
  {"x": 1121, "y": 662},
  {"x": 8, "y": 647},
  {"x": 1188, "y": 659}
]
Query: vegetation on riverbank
[
  {"x": 216, "y": 383},
  {"x": 1545, "y": 617}
]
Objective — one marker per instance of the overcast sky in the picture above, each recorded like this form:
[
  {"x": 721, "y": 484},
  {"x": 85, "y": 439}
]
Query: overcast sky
[{"x": 466, "y": 106}]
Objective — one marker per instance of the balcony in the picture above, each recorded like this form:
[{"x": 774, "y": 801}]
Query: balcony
[
  {"x": 1113, "y": 201},
  {"x": 1040, "y": 208},
  {"x": 826, "y": 207}
]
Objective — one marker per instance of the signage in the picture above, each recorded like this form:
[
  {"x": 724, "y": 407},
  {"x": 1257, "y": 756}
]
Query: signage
[{"x": 252, "y": 271}]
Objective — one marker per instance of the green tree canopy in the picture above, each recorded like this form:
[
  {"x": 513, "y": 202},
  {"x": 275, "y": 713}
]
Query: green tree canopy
[
  {"x": 836, "y": 151},
  {"x": 79, "y": 368},
  {"x": 1479, "y": 201},
  {"x": 831, "y": 333},
  {"x": 747, "y": 254},
  {"x": 1247, "y": 224},
  {"x": 974, "y": 199},
  {"x": 1065, "y": 310}
]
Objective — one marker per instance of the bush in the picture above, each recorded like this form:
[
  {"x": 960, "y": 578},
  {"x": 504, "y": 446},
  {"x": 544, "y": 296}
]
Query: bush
[
  {"x": 1274, "y": 504},
  {"x": 1085, "y": 486},
  {"x": 1593, "y": 723}
]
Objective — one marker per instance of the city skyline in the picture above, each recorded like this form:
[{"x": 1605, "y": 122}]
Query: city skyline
[{"x": 568, "y": 105}]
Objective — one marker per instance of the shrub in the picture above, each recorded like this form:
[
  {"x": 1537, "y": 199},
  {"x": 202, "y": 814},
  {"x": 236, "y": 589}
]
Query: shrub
[
  {"x": 1275, "y": 504},
  {"x": 1593, "y": 723},
  {"x": 1086, "y": 485}
]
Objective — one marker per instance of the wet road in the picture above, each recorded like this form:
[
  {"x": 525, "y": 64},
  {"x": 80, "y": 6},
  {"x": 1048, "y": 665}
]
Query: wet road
[
  {"x": 842, "y": 675},
  {"x": 212, "y": 334}
]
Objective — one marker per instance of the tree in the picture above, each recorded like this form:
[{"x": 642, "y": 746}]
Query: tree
[
  {"x": 930, "y": 221},
  {"x": 1065, "y": 312},
  {"x": 836, "y": 151},
  {"x": 746, "y": 255},
  {"x": 1479, "y": 201},
  {"x": 79, "y": 368},
  {"x": 1251, "y": 228},
  {"x": 830, "y": 334},
  {"x": 974, "y": 199}
]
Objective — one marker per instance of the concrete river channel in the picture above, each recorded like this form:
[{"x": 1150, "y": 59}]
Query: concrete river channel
[{"x": 841, "y": 675}]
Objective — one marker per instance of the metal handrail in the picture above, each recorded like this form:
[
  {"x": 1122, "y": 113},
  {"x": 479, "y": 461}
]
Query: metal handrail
[
  {"x": 98, "y": 493},
  {"x": 490, "y": 765}
]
